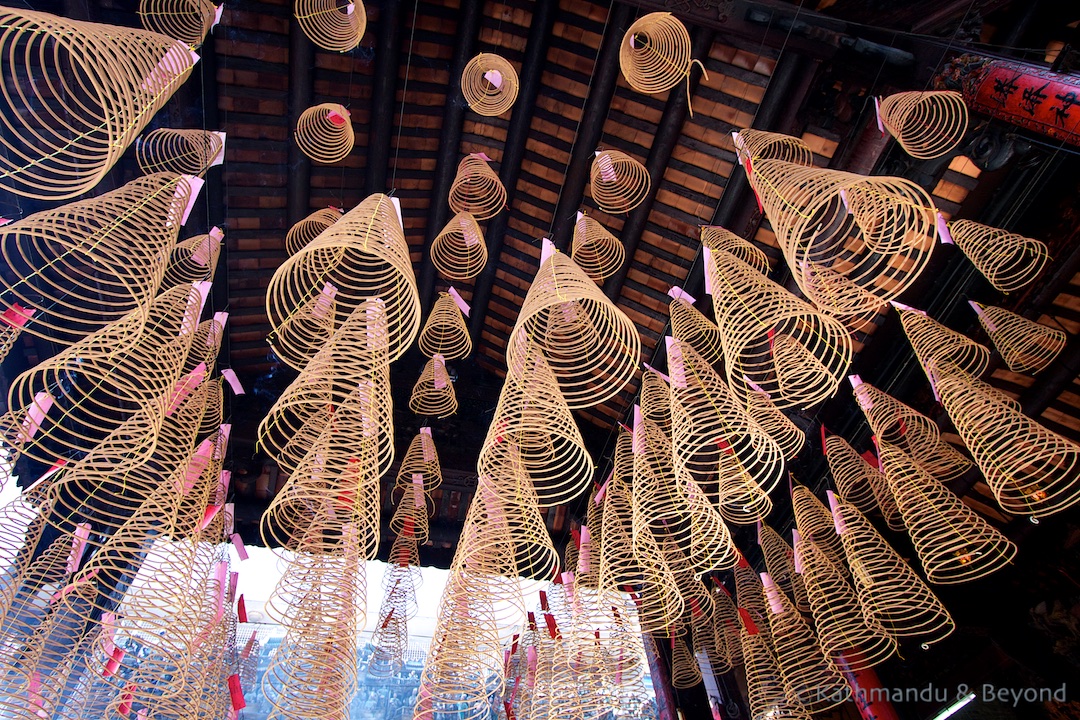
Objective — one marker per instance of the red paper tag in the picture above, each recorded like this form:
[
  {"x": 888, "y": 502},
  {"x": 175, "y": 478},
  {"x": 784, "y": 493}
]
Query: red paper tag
[
  {"x": 236, "y": 693},
  {"x": 113, "y": 663},
  {"x": 16, "y": 316},
  {"x": 336, "y": 118},
  {"x": 824, "y": 447},
  {"x": 553, "y": 629},
  {"x": 241, "y": 610},
  {"x": 748, "y": 622},
  {"x": 544, "y": 601}
]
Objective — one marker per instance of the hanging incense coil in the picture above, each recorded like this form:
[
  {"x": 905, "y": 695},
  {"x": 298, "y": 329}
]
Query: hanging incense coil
[
  {"x": 476, "y": 189},
  {"x": 926, "y": 124},
  {"x": 888, "y": 589},
  {"x": 685, "y": 672},
  {"x": 186, "y": 20},
  {"x": 656, "y": 400},
  {"x": 362, "y": 256},
  {"x": 619, "y": 182},
  {"x": 774, "y": 340},
  {"x": 726, "y": 625},
  {"x": 420, "y": 459},
  {"x": 332, "y": 25},
  {"x": 445, "y": 332},
  {"x": 766, "y": 689},
  {"x": 857, "y": 481},
  {"x": 595, "y": 250},
  {"x": 755, "y": 145},
  {"x": 717, "y": 238},
  {"x": 655, "y": 53},
  {"x": 591, "y": 346},
  {"x": 811, "y": 679},
  {"x": 489, "y": 84},
  {"x": 194, "y": 260},
  {"x": 309, "y": 228},
  {"x": 185, "y": 152},
  {"x": 689, "y": 325},
  {"x": 58, "y": 149},
  {"x": 750, "y": 595},
  {"x": 1009, "y": 261},
  {"x": 788, "y": 436},
  {"x": 459, "y": 251},
  {"x": 935, "y": 343},
  {"x": 815, "y": 524},
  {"x": 1025, "y": 345},
  {"x": 433, "y": 394},
  {"x": 391, "y": 637},
  {"x": 325, "y": 133},
  {"x": 780, "y": 561}
]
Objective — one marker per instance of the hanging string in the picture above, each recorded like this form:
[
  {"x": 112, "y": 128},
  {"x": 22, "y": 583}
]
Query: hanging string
[{"x": 404, "y": 93}]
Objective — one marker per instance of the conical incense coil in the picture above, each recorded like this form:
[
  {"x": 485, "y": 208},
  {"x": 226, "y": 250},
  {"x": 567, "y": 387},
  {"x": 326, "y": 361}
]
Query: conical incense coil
[
  {"x": 886, "y": 586},
  {"x": 595, "y": 250},
  {"x": 755, "y": 145},
  {"x": 325, "y": 133},
  {"x": 186, "y": 20},
  {"x": 717, "y": 238},
  {"x": 926, "y": 124},
  {"x": 331, "y": 25},
  {"x": 476, "y": 189},
  {"x": 845, "y": 630},
  {"x": 193, "y": 260},
  {"x": 810, "y": 678},
  {"x": 489, "y": 84},
  {"x": 420, "y": 459},
  {"x": 410, "y": 518},
  {"x": 726, "y": 625},
  {"x": 689, "y": 325},
  {"x": 750, "y": 595},
  {"x": 433, "y": 394},
  {"x": 309, "y": 228},
  {"x": 935, "y": 343},
  {"x": 361, "y": 257},
  {"x": 205, "y": 346},
  {"x": 780, "y": 561},
  {"x": 754, "y": 314},
  {"x": 815, "y": 524},
  {"x": 619, "y": 183},
  {"x": 777, "y": 425},
  {"x": 58, "y": 148},
  {"x": 767, "y": 692},
  {"x": 391, "y": 636},
  {"x": 592, "y": 347},
  {"x": 705, "y": 639},
  {"x": 656, "y": 400},
  {"x": 445, "y": 332},
  {"x": 1009, "y": 261},
  {"x": 78, "y": 267},
  {"x": 857, "y": 482},
  {"x": 853, "y": 242},
  {"x": 186, "y": 152},
  {"x": 459, "y": 252},
  {"x": 954, "y": 543},
  {"x": 685, "y": 672},
  {"x": 696, "y": 597},
  {"x": 1025, "y": 345},
  {"x": 654, "y": 55}
]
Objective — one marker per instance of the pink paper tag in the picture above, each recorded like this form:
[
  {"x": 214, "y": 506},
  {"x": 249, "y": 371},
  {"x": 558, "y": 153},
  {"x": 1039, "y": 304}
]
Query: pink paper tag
[
  {"x": 838, "y": 516},
  {"x": 547, "y": 249},
  {"x": 843, "y": 199},
  {"x": 249, "y": 646},
  {"x": 707, "y": 251},
  {"x": 796, "y": 539},
  {"x": 195, "y": 183},
  {"x": 494, "y": 77},
  {"x": 221, "y": 575},
  {"x": 676, "y": 365},
  {"x": 607, "y": 168},
  {"x": 208, "y": 516},
  {"x": 585, "y": 550},
  {"x": 990, "y": 326},
  {"x": 113, "y": 663},
  {"x": 218, "y": 10},
  {"x": 603, "y": 488},
  {"x": 197, "y": 464},
  {"x": 664, "y": 376},
  {"x": 397, "y": 210},
  {"x": 234, "y": 580},
  {"x": 482, "y": 156},
  {"x": 902, "y": 306},
  {"x": 459, "y": 301},
  {"x": 738, "y": 145},
  {"x": 220, "y": 157},
  {"x": 440, "y": 372},
  {"x": 877, "y": 114},
  {"x": 639, "y": 431},
  {"x": 468, "y": 232},
  {"x": 230, "y": 517},
  {"x": 755, "y": 387},
  {"x": 241, "y": 549},
  {"x": 35, "y": 415},
  {"x": 53, "y": 469},
  {"x": 17, "y": 316},
  {"x": 234, "y": 382},
  {"x": 78, "y": 546},
  {"x": 324, "y": 300},
  {"x": 70, "y": 587},
  {"x": 678, "y": 293},
  {"x": 418, "y": 490},
  {"x": 4, "y": 221},
  {"x": 202, "y": 252},
  {"x": 943, "y": 230},
  {"x": 337, "y": 118},
  {"x": 772, "y": 594}
]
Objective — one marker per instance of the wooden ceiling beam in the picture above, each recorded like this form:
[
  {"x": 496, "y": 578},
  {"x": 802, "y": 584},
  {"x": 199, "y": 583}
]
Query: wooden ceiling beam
[
  {"x": 383, "y": 95},
  {"x": 301, "y": 97}
]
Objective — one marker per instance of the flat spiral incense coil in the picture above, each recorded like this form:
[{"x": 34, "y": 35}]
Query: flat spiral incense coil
[
  {"x": 763, "y": 145},
  {"x": 689, "y": 325},
  {"x": 619, "y": 182},
  {"x": 489, "y": 84},
  {"x": 595, "y": 250},
  {"x": 886, "y": 586},
  {"x": 433, "y": 394},
  {"x": 717, "y": 238},
  {"x": 325, "y": 133},
  {"x": 185, "y": 152},
  {"x": 78, "y": 267},
  {"x": 362, "y": 256},
  {"x": 445, "y": 332},
  {"x": 935, "y": 343},
  {"x": 926, "y": 124},
  {"x": 654, "y": 55},
  {"x": 1025, "y": 345},
  {"x": 857, "y": 482},
  {"x": 309, "y": 228},
  {"x": 788, "y": 436},
  {"x": 815, "y": 524},
  {"x": 810, "y": 678},
  {"x": 332, "y": 25},
  {"x": 476, "y": 189},
  {"x": 767, "y": 693},
  {"x": 592, "y": 347},
  {"x": 58, "y": 148},
  {"x": 459, "y": 251},
  {"x": 1009, "y": 261},
  {"x": 186, "y": 20},
  {"x": 780, "y": 561},
  {"x": 755, "y": 315},
  {"x": 193, "y": 260}
]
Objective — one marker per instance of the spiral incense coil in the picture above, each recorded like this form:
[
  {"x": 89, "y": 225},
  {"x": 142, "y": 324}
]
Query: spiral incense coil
[
  {"x": 780, "y": 561},
  {"x": 324, "y": 133},
  {"x": 433, "y": 394},
  {"x": 193, "y": 260},
  {"x": 476, "y": 189},
  {"x": 595, "y": 250},
  {"x": 857, "y": 481},
  {"x": 811, "y": 679},
  {"x": 331, "y": 25},
  {"x": 619, "y": 182},
  {"x": 1009, "y": 261},
  {"x": 420, "y": 459},
  {"x": 59, "y": 148},
  {"x": 1025, "y": 345},
  {"x": 935, "y": 343},
  {"x": 750, "y": 595},
  {"x": 445, "y": 332},
  {"x": 592, "y": 347},
  {"x": 888, "y": 589},
  {"x": 654, "y": 55},
  {"x": 776, "y": 424},
  {"x": 755, "y": 145},
  {"x": 309, "y": 228},
  {"x": 926, "y": 124},
  {"x": 726, "y": 625},
  {"x": 489, "y": 84},
  {"x": 685, "y": 672},
  {"x": 205, "y": 347},
  {"x": 754, "y": 314},
  {"x": 362, "y": 256},
  {"x": 459, "y": 251},
  {"x": 815, "y": 524},
  {"x": 703, "y": 640},
  {"x": 656, "y": 400},
  {"x": 696, "y": 597},
  {"x": 954, "y": 543},
  {"x": 767, "y": 693},
  {"x": 186, "y": 20},
  {"x": 185, "y": 152},
  {"x": 689, "y": 325},
  {"x": 391, "y": 637},
  {"x": 78, "y": 267},
  {"x": 717, "y": 238}
]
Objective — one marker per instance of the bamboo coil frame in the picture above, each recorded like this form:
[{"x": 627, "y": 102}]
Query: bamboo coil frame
[
  {"x": 459, "y": 251},
  {"x": 489, "y": 84},
  {"x": 689, "y": 325},
  {"x": 433, "y": 394},
  {"x": 193, "y": 260},
  {"x": 935, "y": 343},
  {"x": 654, "y": 55},
  {"x": 309, "y": 228},
  {"x": 185, "y": 152},
  {"x": 331, "y": 25},
  {"x": 717, "y": 238},
  {"x": 324, "y": 133},
  {"x": 445, "y": 332},
  {"x": 857, "y": 482},
  {"x": 363, "y": 255},
  {"x": 591, "y": 346},
  {"x": 816, "y": 525},
  {"x": 788, "y": 436},
  {"x": 1009, "y": 261},
  {"x": 57, "y": 149},
  {"x": 780, "y": 562},
  {"x": 476, "y": 189},
  {"x": 619, "y": 183},
  {"x": 887, "y": 587},
  {"x": 926, "y": 124},
  {"x": 755, "y": 145},
  {"x": 954, "y": 543},
  {"x": 1025, "y": 345},
  {"x": 595, "y": 250},
  {"x": 186, "y": 20}
]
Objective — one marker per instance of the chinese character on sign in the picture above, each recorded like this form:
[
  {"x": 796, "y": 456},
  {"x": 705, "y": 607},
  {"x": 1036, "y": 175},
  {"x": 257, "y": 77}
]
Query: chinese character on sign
[
  {"x": 1033, "y": 98},
  {"x": 1061, "y": 113},
  {"x": 1004, "y": 88}
]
